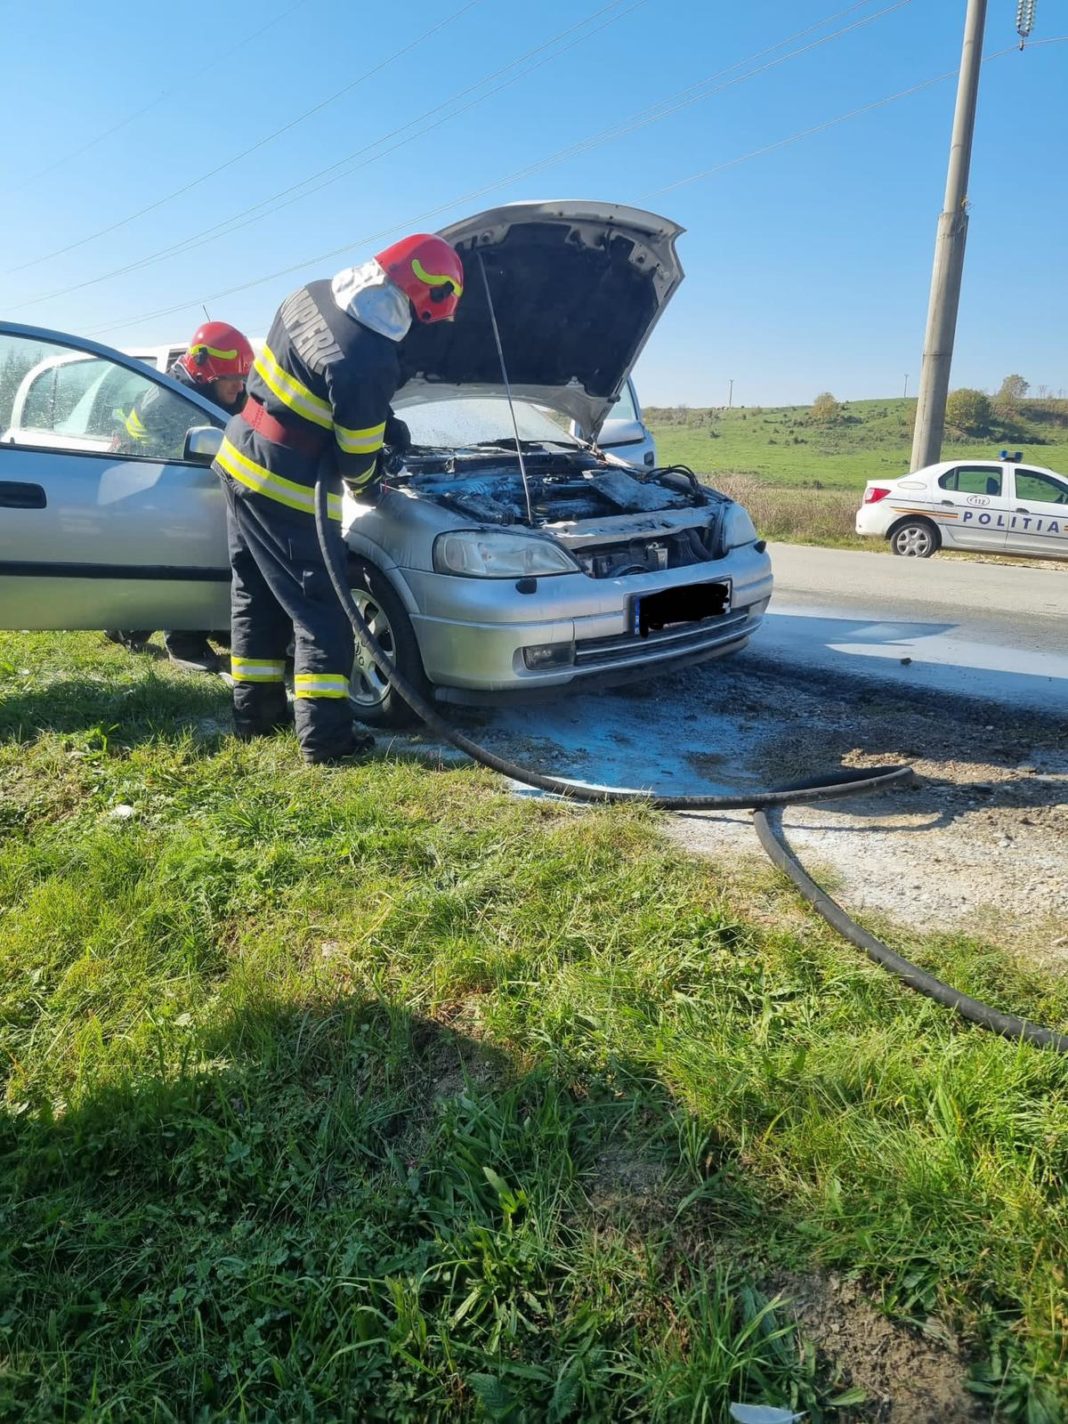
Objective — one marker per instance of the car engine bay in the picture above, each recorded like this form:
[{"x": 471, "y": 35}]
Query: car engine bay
[{"x": 569, "y": 490}]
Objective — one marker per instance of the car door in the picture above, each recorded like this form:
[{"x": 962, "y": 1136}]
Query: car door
[
  {"x": 97, "y": 530},
  {"x": 1039, "y": 523},
  {"x": 972, "y": 505}
]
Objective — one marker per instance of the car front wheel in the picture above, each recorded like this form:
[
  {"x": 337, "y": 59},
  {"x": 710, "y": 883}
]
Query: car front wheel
[
  {"x": 915, "y": 539},
  {"x": 375, "y": 702}
]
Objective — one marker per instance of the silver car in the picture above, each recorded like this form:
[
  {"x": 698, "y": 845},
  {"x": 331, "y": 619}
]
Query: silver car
[{"x": 503, "y": 556}]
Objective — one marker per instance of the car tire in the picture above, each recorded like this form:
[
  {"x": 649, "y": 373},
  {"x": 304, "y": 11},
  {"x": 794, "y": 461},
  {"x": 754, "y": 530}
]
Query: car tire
[
  {"x": 375, "y": 702},
  {"x": 915, "y": 539}
]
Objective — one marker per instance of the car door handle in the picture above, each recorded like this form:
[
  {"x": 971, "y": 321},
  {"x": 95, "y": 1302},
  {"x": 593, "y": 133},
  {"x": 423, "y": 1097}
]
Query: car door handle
[
  {"x": 14, "y": 494},
  {"x": 949, "y": 502},
  {"x": 1020, "y": 510}
]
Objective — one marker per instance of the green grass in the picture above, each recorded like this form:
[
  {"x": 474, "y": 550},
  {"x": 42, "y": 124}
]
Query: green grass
[
  {"x": 382, "y": 1094},
  {"x": 784, "y": 446}
]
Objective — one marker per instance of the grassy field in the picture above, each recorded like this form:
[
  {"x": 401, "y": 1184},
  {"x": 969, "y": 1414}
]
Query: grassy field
[
  {"x": 798, "y": 471},
  {"x": 383, "y": 1094}
]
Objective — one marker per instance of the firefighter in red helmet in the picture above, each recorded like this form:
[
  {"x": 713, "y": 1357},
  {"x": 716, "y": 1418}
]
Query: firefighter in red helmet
[
  {"x": 216, "y": 364},
  {"x": 318, "y": 399}
]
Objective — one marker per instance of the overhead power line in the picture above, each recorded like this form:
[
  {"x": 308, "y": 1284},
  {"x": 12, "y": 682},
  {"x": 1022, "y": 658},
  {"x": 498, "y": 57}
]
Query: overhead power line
[
  {"x": 217, "y": 59},
  {"x": 829, "y": 123},
  {"x": 301, "y": 189},
  {"x": 801, "y": 133},
  {"x": 704, "y": 89},
  {"x": 693, "y": 93},
  {"x": 255, "y": 147}
]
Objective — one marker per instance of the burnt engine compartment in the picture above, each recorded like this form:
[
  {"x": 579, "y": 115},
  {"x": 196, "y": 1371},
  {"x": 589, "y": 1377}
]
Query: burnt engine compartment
[
  {"x": 673, "y": 550},
  {"x": 571, "y": 488}
]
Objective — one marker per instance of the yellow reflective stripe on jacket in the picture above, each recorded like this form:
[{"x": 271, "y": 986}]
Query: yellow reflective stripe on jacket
[
  {"x": 360, "y": 442},
  {"x": 135, "y": 426},
  {"x": 291, "y": 392},
  {"x": 358, "y": 483},
  {"x": 320, "y": 684},
  {"x": 257, "y": 670},
  {"x": 257, "y": 477}
]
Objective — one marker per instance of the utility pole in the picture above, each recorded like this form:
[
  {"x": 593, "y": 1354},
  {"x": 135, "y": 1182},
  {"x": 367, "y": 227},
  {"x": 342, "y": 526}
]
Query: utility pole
[
  {"x": 949, "y": 253},
  {"x": 730, "y": 394},
  {"x": 905, "y": 392}
]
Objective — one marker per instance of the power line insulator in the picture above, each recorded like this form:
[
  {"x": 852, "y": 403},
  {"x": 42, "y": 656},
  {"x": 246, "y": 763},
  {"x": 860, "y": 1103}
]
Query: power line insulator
[{"x": 1025, "y": 18}]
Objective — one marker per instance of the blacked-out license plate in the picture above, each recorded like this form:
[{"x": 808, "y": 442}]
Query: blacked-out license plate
[{"x": 653, "y": 612}]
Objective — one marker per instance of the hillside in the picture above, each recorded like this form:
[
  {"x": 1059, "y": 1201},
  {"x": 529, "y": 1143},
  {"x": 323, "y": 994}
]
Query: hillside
[{"x": 784, "y": 445}]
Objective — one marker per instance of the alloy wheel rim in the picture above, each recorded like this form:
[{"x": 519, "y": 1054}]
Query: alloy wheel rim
[
  {"x": 367, "y": 686},
  {"x": 914, "y": 542}
]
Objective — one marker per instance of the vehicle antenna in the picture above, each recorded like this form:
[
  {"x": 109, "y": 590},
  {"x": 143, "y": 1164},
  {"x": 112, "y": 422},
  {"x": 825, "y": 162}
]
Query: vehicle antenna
[
  {"x": 204, "y": 309},
  {"x": 507, "y": 391}
]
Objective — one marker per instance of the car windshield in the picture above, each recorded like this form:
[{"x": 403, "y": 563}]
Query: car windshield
[
  {"x": 462, "y": 423},
  {"x": 624, "y": 406}
]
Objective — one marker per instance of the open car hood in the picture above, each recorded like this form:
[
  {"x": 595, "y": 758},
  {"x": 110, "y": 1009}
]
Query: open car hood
[{"x": 577, "y": 289}]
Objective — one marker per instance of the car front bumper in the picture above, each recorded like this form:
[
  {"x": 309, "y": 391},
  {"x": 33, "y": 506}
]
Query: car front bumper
[{"x": 473, "y": 633}]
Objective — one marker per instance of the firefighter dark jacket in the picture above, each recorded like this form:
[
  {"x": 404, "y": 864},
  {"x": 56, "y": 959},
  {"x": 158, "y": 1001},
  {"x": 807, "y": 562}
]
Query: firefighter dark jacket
[{"x": 322, "y": 383}]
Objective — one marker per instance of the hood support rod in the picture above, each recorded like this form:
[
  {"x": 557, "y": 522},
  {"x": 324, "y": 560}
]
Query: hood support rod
[{"x": 507, "y": 391}]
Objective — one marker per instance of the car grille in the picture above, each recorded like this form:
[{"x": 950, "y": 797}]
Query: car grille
[
  {"x": 675, "y": 550},
  {"x": 630, "y": 647}
]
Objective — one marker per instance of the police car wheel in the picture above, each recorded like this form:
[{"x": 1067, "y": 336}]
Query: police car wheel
[
  {"x": 374, "y": 701},
  {"x": 915, "y": 539}
]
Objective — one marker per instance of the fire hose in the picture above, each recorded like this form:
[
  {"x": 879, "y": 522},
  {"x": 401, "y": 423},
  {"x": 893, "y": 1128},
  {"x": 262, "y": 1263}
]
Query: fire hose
[{"x": 844, "y": 781}]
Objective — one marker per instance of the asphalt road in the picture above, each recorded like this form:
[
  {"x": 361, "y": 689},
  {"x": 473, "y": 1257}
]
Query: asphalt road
[{"x": 996, "y": 631}]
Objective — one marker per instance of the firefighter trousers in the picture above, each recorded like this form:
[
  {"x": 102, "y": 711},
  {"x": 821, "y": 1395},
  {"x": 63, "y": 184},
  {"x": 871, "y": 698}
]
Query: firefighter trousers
[{"x": 280, "y": 586}]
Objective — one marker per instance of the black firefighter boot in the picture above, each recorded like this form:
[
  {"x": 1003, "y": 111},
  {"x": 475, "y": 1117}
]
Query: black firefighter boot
[
  {"x": 192, "y": 651},
  {"x": 358, "y": 749},
  {"x": 260, "y": 711},
  {"x": 328, "y": 735}
]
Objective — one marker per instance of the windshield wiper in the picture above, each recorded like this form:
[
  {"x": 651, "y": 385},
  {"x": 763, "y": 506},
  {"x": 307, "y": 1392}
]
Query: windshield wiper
[{"x": 507, "y": 442}]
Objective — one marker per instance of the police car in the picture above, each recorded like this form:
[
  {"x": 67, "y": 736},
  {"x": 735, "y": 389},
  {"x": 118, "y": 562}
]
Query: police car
[{"x": 993, "y": 506}]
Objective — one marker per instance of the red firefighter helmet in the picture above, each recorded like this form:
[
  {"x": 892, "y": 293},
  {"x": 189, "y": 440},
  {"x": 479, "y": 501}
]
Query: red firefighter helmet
[
  {"x": 217, "y": 350},
  {"x": 429, "y": 273}
]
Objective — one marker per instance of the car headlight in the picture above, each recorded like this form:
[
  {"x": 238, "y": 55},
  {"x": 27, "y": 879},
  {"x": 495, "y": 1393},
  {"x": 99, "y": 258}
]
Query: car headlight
[
  {"x": 476, "y": 553},
  {"x": 738, "y": 528}
]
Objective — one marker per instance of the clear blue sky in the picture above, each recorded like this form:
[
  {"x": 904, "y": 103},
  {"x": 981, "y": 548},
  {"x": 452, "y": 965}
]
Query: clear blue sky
[{"x": 807, "y": 266}]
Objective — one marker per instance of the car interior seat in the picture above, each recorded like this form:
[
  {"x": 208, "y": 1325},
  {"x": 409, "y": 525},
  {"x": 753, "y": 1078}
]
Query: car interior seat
[{"x": 993, "y": 485}]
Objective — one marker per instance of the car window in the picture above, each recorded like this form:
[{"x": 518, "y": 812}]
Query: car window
[
  {"x": 624, "y": 407},
  {"x": 973, "y": 479},
  {"x": 105, "y": 403},
  {"x": 1032, "y": 484},
  {"x": 27, "y": 373},
  {"x": 72, "y": 380},
  {"x": 59, "y": 398},
  {"x": 40, "y": 399}
]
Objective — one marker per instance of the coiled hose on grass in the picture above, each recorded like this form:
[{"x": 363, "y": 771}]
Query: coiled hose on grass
[{"x": 845, "y": 781}]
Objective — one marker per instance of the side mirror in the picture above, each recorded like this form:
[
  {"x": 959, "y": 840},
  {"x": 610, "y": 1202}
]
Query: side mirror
[
  {"x": 621, "y": 432},
  {"x": 202, "y": 444}
]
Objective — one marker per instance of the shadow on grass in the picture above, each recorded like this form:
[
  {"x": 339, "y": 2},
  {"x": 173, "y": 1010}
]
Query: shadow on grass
[
  {"x": 147, "y": 709},
  {"x": 155, "y": 709},
  {"x": 351, "y": 1213}
]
